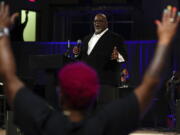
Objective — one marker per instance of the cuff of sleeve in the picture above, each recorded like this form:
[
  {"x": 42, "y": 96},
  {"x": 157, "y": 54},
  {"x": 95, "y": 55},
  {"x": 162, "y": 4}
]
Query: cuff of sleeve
[{"x": 120, "y": 58}]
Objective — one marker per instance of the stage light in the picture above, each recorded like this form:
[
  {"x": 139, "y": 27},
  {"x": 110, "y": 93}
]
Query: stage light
[
  {"x": 32, "y": 0},
  {"x": 29, "y": 33}
]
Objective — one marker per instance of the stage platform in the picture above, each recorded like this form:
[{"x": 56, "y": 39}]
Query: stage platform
[
  {"x": 153, "y": 132},
  {"x": 138, "y": 132}
]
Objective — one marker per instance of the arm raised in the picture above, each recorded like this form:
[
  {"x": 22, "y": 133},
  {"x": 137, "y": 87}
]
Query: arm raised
[
  {"x": 7, "y": 63},
  {"x": 166, "y": 29}
]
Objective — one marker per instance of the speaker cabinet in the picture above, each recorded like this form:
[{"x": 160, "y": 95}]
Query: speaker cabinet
[
  {"x": 178, "y": 115},
  {"x": 11, "y": 128}
]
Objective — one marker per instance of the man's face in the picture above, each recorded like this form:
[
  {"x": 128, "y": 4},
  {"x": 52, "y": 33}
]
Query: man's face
[{"x": 100, "y": 23}]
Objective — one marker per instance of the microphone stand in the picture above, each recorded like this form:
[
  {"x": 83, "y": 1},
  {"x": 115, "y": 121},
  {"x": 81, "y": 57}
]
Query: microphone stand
[{"x": 172, "y": 103}]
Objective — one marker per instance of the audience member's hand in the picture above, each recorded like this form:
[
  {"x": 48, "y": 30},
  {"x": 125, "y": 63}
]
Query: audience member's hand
[
  {"x": 5, "y": 19},
  {"x": 166, "y": 28},
  {"x": 115, "y": 54},
  {"x": 76, "y": 50}
]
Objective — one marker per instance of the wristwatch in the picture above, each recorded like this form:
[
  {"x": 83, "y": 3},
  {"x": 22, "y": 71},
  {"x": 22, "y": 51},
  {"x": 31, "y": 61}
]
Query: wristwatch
[{"x": 4, "y": 32}]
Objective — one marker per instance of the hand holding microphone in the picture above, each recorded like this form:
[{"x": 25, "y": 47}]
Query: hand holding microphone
[
  {"x": 76, "y": 49},
  {"x": 115, "y": 53}
]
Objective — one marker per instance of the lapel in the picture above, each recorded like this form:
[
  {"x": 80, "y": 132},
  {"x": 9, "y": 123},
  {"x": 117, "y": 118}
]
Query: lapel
[
  {"x": 99, "y": 43},
  {"x": 86, "y": 42}
]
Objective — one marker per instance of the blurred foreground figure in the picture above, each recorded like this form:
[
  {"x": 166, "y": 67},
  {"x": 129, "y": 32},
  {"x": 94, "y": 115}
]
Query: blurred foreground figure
[
  {"x": 17, "y": 29},
  {"x": 77, "y": 93}
]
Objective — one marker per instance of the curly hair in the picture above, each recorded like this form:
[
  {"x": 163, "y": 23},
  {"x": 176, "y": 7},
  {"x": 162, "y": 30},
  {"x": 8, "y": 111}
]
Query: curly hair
[{"x": 79, "y": 84}]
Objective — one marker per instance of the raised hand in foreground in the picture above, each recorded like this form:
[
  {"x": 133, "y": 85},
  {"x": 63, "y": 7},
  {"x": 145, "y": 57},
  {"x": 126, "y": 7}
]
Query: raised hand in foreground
[{"x": 166, "y": 29}]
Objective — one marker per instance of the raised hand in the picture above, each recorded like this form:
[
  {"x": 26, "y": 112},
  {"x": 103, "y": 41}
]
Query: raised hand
[
  {"x": 115, "y": 54},
  {"x": 5, "y": 19},
  {"x": 7, "y": 63},
  {"x": 166, "y": 28}
]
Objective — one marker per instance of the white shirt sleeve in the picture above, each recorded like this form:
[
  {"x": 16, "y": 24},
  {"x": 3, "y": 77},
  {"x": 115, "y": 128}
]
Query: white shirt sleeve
[{"x": 120, "y": 58}]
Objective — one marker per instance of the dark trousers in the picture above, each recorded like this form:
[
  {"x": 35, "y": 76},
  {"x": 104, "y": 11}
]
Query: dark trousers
[{"x": 107, "y": 94}]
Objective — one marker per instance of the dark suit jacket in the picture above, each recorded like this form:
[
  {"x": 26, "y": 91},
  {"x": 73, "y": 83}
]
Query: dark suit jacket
[{"x": 100, "y": 57}]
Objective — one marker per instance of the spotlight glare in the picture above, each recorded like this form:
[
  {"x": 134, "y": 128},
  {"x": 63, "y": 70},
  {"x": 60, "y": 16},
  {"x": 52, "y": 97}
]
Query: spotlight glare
[{"x": 32, "y": 0}]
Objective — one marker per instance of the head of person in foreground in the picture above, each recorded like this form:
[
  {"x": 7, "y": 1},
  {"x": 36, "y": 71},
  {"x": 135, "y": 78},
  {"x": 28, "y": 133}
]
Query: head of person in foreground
[{"x": 79, "y": 86}]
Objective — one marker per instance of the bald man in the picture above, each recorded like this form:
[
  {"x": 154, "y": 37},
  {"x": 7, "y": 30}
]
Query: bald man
[{"x": 104, "y": 51}]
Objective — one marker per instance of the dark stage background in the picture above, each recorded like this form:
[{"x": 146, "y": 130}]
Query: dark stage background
[
  {"x": 139, "y": 55},
  {"x": 62, "y": 20}
]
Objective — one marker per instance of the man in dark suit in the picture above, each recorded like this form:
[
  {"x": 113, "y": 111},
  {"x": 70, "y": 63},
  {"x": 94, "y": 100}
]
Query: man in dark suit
[{"x": 104, "y": 51}]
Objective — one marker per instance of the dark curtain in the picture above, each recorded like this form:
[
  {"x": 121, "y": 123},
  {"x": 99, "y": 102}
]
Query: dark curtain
[{"x": 139, "y": 55}]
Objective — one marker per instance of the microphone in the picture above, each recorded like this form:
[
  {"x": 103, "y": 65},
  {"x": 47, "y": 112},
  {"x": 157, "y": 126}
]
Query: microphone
[
  {"x": 175, "y": 78},
  {"x": 68, "y": 45},
  {"x": 173, "y": 75},
  {"x": 67, "y": 54},
  {"x": 171, "y": 80},
  {"x": 79, "y": 42}
]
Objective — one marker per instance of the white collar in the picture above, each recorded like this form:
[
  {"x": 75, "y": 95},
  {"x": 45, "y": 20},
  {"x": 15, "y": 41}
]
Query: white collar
[{"x": 102, "y": 33}]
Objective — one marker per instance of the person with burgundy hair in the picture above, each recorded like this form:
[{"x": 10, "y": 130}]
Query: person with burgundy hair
[
  {"x": 79, "y": 85},
  {"x": 35, "y": 117}
]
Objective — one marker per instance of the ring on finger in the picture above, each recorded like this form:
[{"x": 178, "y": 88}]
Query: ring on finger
[{"x": 171, "y": 20}]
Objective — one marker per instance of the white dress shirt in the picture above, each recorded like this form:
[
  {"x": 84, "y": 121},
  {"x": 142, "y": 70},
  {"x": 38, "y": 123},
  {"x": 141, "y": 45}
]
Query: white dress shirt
[{"x": 94, "y": 39}]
